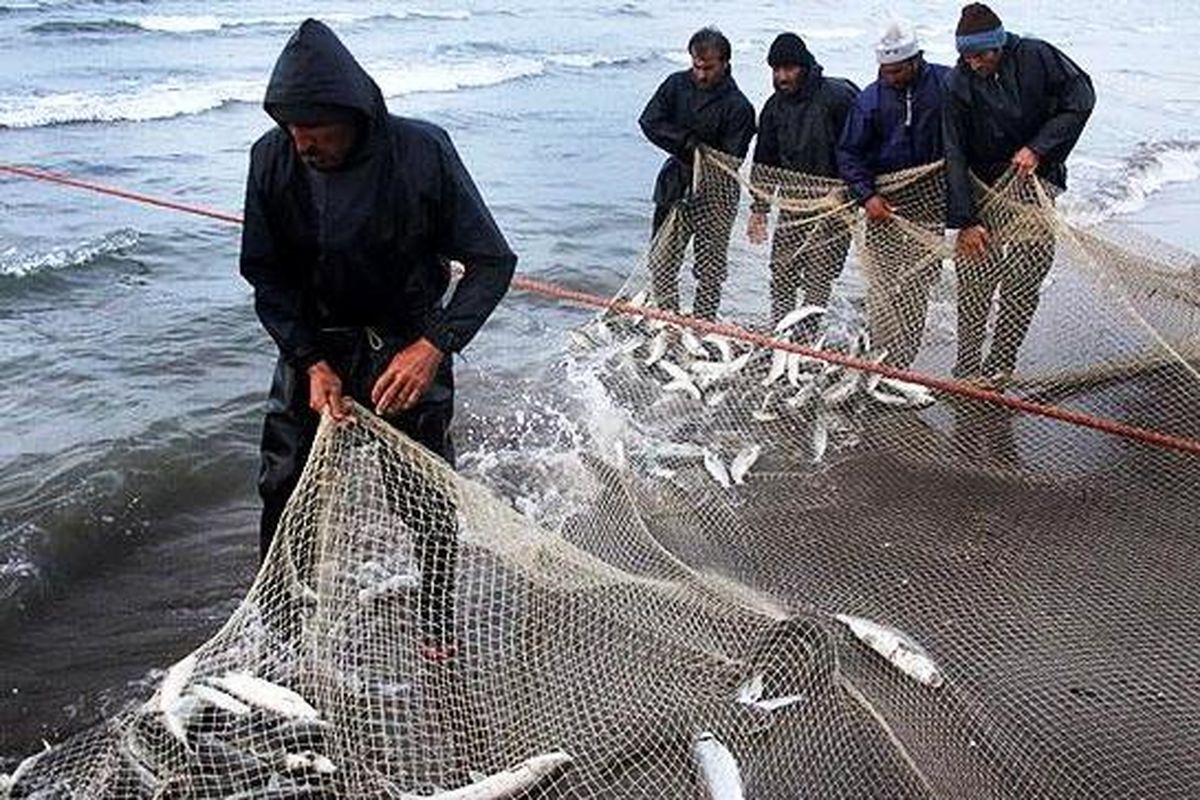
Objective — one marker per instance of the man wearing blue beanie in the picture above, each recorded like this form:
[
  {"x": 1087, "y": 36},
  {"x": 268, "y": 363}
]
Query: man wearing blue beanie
[{"x": 1016, "y": 104}]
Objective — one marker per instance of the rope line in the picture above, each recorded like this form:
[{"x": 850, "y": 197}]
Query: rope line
[{"x": 587, "y": 299}]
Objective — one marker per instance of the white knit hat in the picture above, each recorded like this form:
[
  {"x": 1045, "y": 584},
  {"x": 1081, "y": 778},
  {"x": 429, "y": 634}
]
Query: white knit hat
[{"x": 898, "y": 43}]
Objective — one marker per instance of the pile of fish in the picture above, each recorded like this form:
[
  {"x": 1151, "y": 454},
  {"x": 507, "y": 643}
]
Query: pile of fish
[
  {"x": 236, "y": 736},
  {"x": 746, "y": 386}
]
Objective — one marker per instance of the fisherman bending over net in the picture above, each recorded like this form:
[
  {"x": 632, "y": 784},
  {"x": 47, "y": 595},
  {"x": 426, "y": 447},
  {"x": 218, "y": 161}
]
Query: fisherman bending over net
[{"x": 352, "y": 216}]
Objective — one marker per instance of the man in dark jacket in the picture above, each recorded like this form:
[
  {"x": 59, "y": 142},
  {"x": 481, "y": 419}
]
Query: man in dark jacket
[
  {"x": 798, "y": 131},
  {"x": 351, "y": 219},
  {"x": 896, "y": 124},
  {"x": 1012, "y": 104},
  {"x": 699, "y": 106}
]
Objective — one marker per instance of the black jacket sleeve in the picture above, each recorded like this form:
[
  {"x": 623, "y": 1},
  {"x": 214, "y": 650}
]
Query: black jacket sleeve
[
  {"x": 468, "y": 234},
  {"x": 278, "y": 293},
  {"x": 960, "y": 200},
  {"x": 659, "y": 126},
  {"x": 1074, "y": 100},
  {"x": 739, "y": 129},
  {"x": 766, "y": 154}
]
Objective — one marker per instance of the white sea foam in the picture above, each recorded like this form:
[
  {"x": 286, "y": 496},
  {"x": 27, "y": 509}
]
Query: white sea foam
[
  {"x": 209, "y": 22},
  {"x": 17, "y": 264},
  {"x": 179, "y": 24},
  {"x": 158, "y": 100},
  {"x": 1123, "y": 187},
  {"x": 397, "y": 80},
  {"x": 179, "y": 96}
]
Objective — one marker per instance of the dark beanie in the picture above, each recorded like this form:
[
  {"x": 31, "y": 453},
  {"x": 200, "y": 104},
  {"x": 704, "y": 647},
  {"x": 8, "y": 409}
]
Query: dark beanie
[
  {"x": 313, "y": 113},
  {"x": 977, "y": 18},
  {"x": 788, "y": 50}
]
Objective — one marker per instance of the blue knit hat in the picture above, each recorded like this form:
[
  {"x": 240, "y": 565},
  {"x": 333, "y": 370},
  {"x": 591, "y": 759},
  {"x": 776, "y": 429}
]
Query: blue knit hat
[{"x": 979, "y": 29}]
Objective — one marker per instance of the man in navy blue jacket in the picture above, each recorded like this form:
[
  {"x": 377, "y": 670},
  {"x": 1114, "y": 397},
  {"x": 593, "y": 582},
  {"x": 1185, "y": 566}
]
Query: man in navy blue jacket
[
  {"x": 698, "y": 106},
  {"x": 1013, "y": 106},
  {"x": 896, "y": 124}
]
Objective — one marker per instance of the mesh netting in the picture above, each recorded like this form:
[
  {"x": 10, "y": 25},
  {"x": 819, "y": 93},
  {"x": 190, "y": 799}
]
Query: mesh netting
[{"x": 808, "y": 565}]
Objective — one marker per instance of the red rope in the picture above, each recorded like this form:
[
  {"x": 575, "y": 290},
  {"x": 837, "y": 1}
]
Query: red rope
[{"x": 1145, "y": 435}]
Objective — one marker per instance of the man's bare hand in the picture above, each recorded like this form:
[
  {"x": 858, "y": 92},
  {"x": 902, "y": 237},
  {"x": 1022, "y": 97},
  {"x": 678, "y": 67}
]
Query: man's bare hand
[
  {"x": 878, "y": 209},
  {"x": 972, "y": 242},
  {"x": 325, "y": 392},
  {"x": 1026, "y": 162},
  {"x": 756, "y": 227},
  {"x": 407, "y": 378}
]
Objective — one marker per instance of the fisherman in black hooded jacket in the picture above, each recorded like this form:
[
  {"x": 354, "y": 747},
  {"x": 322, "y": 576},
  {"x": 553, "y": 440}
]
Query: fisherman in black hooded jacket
[
  {"x": 1017, "y": 104},
  {"x": 798, "y": 131},
  {"x": 352, "y": 218},
  {"x": 699, "y": 106}
]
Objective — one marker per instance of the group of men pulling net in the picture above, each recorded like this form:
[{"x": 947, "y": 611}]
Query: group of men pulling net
[{"x": 799, "y": 570}]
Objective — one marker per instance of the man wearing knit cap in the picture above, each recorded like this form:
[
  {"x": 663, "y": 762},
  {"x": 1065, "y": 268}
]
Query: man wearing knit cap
[
  {"x": 896, "y": 124},
  {"x": 693, "y": 107},
  {"x": 1014, "y": 104},
  {"x": 798, "y": 131}
]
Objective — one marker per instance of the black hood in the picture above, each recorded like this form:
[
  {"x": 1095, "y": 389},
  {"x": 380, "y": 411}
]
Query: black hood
[{"x": 315, "y": 68}]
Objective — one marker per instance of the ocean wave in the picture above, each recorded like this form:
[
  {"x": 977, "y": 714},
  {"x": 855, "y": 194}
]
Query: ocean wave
[
  {"x": 1125, "y": 186},
  {"x": 160, "y": 100},
  {"x": 212, "y": 23},
  {"x": 596, "y": 60},
  {"x": 17, "y": 264},
  {"x": 179, "y": 96},
  {"x": 63, "y": 512},
  {"x": 397, "y": 80},
  {"x": 67, "y": 27}
]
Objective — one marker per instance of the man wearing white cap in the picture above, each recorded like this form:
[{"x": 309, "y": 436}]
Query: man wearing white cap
[{"x": 896, "y": 124}]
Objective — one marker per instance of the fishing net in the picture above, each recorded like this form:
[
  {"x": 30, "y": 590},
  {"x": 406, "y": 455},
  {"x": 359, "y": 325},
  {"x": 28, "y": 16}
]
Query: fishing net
[{"x": 818, "y": 554}]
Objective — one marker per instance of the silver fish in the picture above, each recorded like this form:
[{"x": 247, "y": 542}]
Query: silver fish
[
  {"x": 716, "y": 469},
  {"x": 23, "y": 768},
  {"x": 776, "y": 703},
  {"x": 389, "y": 586},
  {"x": 681, "y": 381},
  {"x": 716, "y": 398},
  {"x": 796, "y": 316},
  {"x": 721, "y": 343},
  {"x": 871, "y": 379},
  {"x": 820, "y": 438},
  {"x": 264, "y": 694},
  {"x": 897, "y": 647},
  {"x": 915, "y": 393},
  {"x": 510, "y": 783},
  {"x": 683, "y": 385},
  {"x": 887, "y": 398},
  {"x": 751, "y": 691},
  {"x": 722, "y": 777},
  {"x": 673, "y": 370},
  {"x": 843, "y": 390},
  {"x": 658, "y": 348},
  {"x": 215, "y": 697},
  {"x": 170, "y": 692},
  {"x": 307, "y": 759},
  {"x": 779, "y": 363},
  {"x": 736, "y": 364},
  {"x": 764, "y": 412},
  {"x": 742, "y": 463},
  {"x": 692, "y": 344},
  {"x": 802, "y": 397}
]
